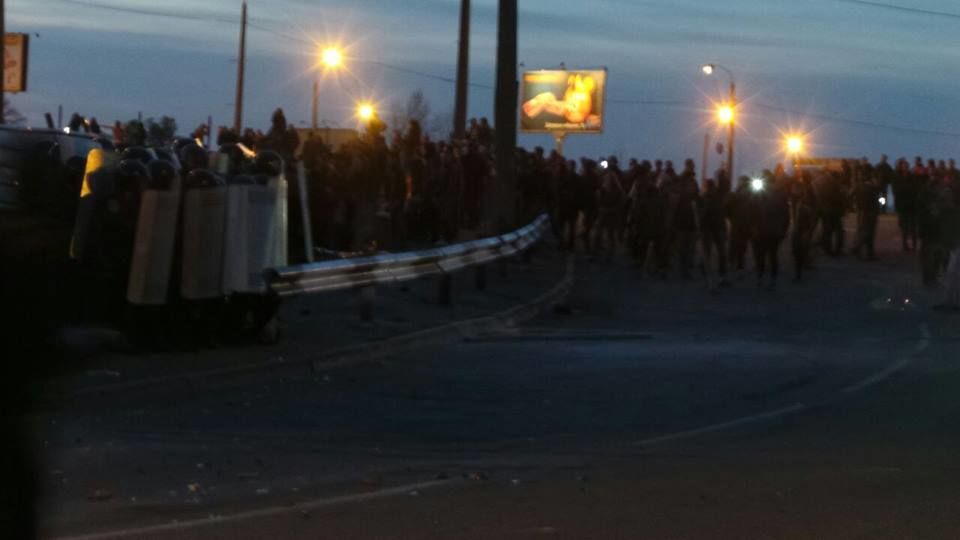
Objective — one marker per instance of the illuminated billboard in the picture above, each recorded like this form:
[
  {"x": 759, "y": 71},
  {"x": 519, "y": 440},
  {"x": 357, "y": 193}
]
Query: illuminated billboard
[
  {"x": 15, "y": 62},
  {"x": 562, "y": 101}
]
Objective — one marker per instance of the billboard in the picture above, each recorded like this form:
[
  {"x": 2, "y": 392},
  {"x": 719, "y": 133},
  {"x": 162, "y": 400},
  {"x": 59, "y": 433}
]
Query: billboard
[
  {"x": 15, "y": 62},
  {"x": 562, "y": 101}
]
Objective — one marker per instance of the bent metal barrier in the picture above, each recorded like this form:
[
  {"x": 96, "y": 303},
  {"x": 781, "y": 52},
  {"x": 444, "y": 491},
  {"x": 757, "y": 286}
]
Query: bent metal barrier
[{"x": 365, "y": 272}]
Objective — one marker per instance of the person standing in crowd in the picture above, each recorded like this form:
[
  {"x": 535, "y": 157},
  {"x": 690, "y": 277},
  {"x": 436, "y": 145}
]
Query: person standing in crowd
[
  {"x": 587, "y": 194},
  {"x": 771, "y": 222},
  {"x": 685, "y": 194},
  {"x": 867, "y": 193},
  {"x": 905, "y": 198},
  {"x": 803, "y": 206},
  {"x": 833, "y": 205},
  {"x": 646, "y": 218},
  {"x": 568, "y": 206},
  {"x": 610, "y": 198},
  {"x": 934, "y": 203},
  {"x": 713, "y": 228},
  {"x": 741, "y": 227}
]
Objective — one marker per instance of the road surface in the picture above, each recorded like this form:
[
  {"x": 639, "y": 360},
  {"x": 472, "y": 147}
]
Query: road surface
[{"x": 648, "y": 409}]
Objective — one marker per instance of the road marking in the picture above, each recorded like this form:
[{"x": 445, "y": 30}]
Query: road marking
[
  {"x": 261, "y": 513},
  {"x": 872, "y": 380}
]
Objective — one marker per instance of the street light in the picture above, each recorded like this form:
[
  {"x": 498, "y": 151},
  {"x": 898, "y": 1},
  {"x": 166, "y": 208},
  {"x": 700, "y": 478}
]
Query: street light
[
  {"x": 726, "y": 113},
  {"x": 330, "y": 58},
  {"x": 365, "y": 111},
  {"x": 794, "y": 144}
]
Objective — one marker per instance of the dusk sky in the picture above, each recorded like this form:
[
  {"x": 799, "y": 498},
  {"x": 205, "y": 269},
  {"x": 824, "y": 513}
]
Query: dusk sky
[{"x": 847, "y": 72}]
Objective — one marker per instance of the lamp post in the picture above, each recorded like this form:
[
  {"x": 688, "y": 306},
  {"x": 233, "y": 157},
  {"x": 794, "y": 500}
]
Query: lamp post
[
  {"x": 727, "y": 113},
  {"x": 366, "y": 112},
  {"x": 794, "y": 145},
  {"x": 330, "y": 58}
]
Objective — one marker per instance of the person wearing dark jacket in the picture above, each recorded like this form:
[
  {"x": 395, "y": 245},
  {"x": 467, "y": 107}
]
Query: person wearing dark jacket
[
  {"x": 741, "y": 229},
  {"x": 803, "y": 207},
  {"x": 771, "y": 221},
  {"x": 867, "y": 195},
  {"x": 646, "y": 217},
  {"x": 713, "y": 227},
  {"x": 685, "y": 197}
]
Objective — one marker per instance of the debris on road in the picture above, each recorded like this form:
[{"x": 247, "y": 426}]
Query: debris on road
[{"x": 101, "y": 495}]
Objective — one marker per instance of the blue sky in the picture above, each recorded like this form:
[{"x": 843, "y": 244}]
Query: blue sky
[{"x": 821, "y": 60}]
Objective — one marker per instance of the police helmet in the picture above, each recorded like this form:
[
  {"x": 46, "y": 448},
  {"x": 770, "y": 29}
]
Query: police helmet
[
  {"x": 162, "y": 174},
  {"x": 269, "y": 163},
  {"x": 202, "y": 178},
  {"x": 132, "y": 175},
  {"x": 137, "y": 152}
]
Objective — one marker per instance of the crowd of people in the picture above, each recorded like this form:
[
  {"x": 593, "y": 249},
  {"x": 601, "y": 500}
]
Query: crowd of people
[
  {"x": 369, "y": 193},
  {"x": 665, "y": 219}
]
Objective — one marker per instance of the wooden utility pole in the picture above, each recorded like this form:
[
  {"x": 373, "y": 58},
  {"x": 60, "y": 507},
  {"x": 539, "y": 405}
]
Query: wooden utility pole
[
  {"x": 463, "y": 73},
  {"x": 505, "y": 113},
  {"x": 315, "y": 105},
  {"x": 3, "y": 78},
  {"x": 241, "y": 61}
]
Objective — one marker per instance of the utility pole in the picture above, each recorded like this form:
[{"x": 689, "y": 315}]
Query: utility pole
[
  {"x": 505, "y": 113},
  {"x": 241, "y": 61},
  {"x": 463, "y": 72},
  {"x": 733, "y": 123},
  {"x": 316, "y": 104},
  {"x": 3, "y": 78}
]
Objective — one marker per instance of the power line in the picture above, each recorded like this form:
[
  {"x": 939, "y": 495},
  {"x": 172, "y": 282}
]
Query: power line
[
  {"x": 862, "y": 123},
  {"x": 903, "y": 9}
]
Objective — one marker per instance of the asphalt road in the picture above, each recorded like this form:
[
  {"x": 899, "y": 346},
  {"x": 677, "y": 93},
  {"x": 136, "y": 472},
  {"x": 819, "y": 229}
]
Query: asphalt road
[{"x": 649, "y": 409}]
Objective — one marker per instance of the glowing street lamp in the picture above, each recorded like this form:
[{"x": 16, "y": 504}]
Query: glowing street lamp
[
  {"x": 726, "y": 113},
  {"x": 330, "y": 58},
  {"x": 366, "y": 112},
  {"x": 794, "y": 145}
]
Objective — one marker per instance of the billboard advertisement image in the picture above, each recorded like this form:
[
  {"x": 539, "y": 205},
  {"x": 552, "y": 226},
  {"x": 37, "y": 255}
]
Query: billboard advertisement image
[{"x": 564, "y": 101}]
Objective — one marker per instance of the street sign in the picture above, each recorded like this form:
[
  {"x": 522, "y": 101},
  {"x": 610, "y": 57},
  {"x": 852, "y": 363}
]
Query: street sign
[
  {"x": 15, "y": 47},
  {"x": 562, "y": 101}
]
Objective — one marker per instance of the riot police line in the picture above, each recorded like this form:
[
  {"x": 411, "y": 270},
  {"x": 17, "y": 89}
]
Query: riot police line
[{"x": 181, "y": 236}]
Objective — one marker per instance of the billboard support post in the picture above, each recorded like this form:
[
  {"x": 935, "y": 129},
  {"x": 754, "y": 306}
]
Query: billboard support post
[{"x": 558, "y": 139}]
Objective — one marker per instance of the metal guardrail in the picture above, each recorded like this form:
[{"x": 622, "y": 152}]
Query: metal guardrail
[{"x": 399, "y": 267}]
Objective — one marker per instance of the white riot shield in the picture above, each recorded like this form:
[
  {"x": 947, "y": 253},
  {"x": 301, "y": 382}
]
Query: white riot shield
[
  {"x": 280, "y": 237},
  {"x": 249, "y": 249},
  {"x": 153, "y": 251},
  {"x": 204, "y": 224}
]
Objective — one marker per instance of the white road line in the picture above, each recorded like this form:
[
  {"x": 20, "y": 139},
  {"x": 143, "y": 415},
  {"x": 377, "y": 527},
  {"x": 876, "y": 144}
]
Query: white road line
[
  {"x": 872, "y": 380},
  {"x": 261, "y": 513}
]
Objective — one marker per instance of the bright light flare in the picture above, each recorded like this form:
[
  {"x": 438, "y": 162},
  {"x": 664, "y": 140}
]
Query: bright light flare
[
  {"x": 757, "y": 184},
  {"x": 331, "y": 57},
  {"x": 882, "y": 201},
  {"x": 725, "y": 114},
  {"x": 366, "y": 111},
  {"x": 707, "y": 69},
  {"x": 794, "y": 144}
]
